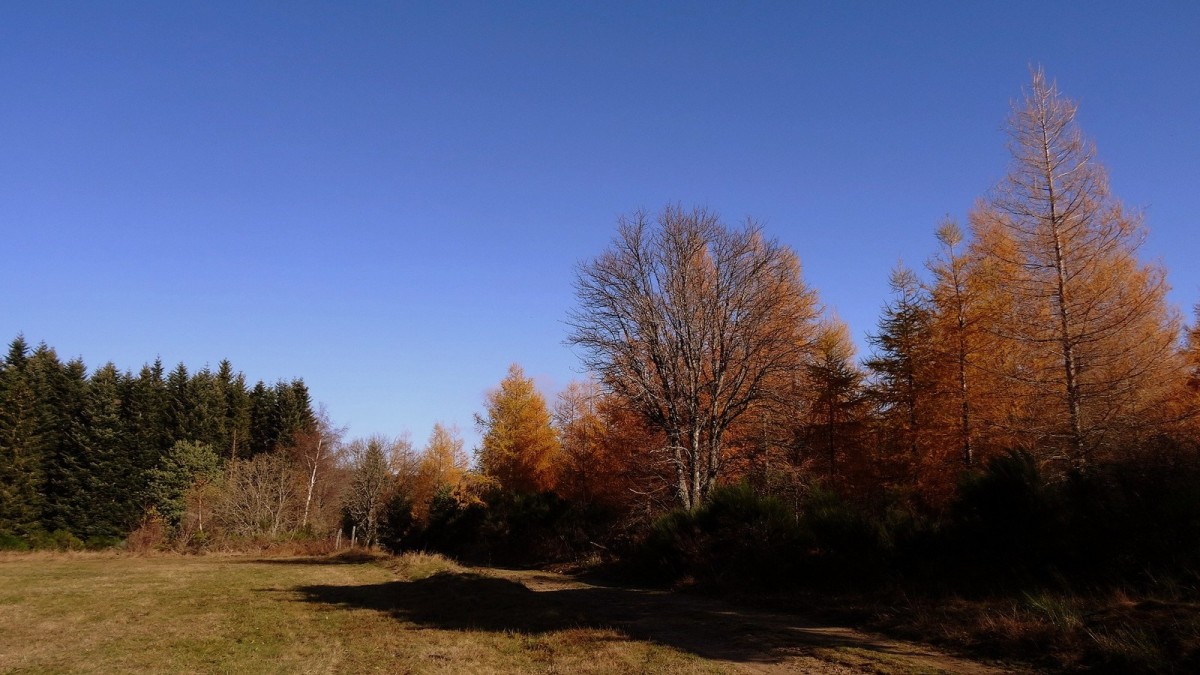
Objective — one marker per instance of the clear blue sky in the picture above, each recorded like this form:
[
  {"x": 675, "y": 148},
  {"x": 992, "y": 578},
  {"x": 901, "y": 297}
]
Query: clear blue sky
[{"x": 389, "y": 199}]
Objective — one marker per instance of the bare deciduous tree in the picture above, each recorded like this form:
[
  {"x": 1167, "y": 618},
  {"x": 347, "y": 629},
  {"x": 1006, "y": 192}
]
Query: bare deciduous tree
[
  {"x": 691, "y": 321},
  {"x": 370, "y": 479},
  {"x": 315, "y": 450},
  {"x": 260, "y": 496}
]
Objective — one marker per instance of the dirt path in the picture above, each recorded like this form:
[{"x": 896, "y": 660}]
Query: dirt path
[{"x": 750, "y": 640}]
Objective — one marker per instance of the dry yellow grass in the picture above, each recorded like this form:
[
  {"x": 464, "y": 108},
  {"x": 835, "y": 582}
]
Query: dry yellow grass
[
  {"x": 107, "y": 613},
  {"x": 410, "y": 614}
]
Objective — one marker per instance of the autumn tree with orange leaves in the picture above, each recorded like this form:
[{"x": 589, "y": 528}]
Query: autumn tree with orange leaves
[
  {"x": 441, "y": 465},
  {"x": 519, "y": 447},
  {"x": 610, "y": 458},
  {"x": 1097, "y": 336}
]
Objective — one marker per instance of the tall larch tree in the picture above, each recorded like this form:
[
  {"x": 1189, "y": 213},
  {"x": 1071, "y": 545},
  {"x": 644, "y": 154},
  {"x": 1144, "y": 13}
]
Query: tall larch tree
[
  {"x": 955, "y": 327},
  {"x": 589, "y": 472},
  {"x": 1094, "y": 320},
  {"x": 519, "y": 448},
  {"x": 441, "y": 466},
  {"x": 1192, "y": 352}
]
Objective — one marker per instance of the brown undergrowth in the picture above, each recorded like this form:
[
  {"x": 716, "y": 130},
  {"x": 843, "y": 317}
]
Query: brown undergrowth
[{"x": 1114, "y": 631}]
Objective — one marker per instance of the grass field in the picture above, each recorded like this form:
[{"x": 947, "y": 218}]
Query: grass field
[{"x": 120, "y": 613}]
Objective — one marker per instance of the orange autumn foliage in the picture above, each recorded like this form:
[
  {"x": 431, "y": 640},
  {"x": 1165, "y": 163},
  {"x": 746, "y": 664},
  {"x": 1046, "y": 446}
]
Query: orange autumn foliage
[{"x": 519, "y": 447}]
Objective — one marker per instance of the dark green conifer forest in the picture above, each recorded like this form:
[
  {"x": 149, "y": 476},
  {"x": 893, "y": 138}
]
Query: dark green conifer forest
[{"x": 87, "y": 455}]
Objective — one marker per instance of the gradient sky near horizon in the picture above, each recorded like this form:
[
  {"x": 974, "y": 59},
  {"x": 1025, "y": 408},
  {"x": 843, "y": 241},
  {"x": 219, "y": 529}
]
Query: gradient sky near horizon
[{"x": 389, "y": 199}]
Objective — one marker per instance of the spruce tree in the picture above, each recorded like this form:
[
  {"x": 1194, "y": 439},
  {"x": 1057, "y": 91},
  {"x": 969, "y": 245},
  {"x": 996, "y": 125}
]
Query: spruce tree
[
  {"x": 264, "y": 419},
  {"x": 21, "y": 445},
  {"x": 108, "y": 494},
  {"x": 904, "y": 356},
  {"x": 235, "y": 412},
  {"x": 59, "y": 390}
]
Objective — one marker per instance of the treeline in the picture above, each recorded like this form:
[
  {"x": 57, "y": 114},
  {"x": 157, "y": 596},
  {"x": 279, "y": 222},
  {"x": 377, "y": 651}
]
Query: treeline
[
  {"x": 84, "y": 457},
  {"x": 1029, "y": 411}
]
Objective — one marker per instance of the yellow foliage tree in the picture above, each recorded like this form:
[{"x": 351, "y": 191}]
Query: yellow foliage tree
[
  {"x": 519, "y": 449},
  {"x": 443, "y": 463}
]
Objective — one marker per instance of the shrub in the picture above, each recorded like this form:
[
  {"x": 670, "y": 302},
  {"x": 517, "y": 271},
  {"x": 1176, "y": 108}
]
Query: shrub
[
  {"x": 737, "y": 538},
  {"x": 101, "y": 542},
  {"x": 1003, "y": 524},
  {"x": 58, "y": 540},
  {"x": 150, "y": 535},
  {"x": 847, "y": 544},
  {"x": 11, "y": 542},
  {"x": 398, "y": 525}
]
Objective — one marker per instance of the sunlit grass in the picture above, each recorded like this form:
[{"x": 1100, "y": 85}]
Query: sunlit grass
[{"x": 108, "y": 613}]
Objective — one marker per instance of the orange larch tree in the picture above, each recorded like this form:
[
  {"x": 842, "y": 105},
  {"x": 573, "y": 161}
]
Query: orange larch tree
[
  {"x": 520, "y": 448},
  {"x": 441, "y": 465},
  {"x": 1098, "y": 336}
]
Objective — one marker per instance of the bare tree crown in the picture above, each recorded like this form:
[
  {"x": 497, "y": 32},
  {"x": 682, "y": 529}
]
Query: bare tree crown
[{"x": 691, "y": 321}]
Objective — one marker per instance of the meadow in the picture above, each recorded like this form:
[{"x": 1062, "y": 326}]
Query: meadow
[{"x": 107, "y": 612}]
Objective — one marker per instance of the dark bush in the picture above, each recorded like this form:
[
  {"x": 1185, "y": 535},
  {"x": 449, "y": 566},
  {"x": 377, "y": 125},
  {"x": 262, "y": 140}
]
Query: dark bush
[
  {"x": 102, "y": 542},
  {"x": 396, "y": 529},
  {"x": 737, "y": 538},
  {"x": 452, "y": 528},
  {"x": 58, "y": 540},
  {"x": 849, "y": 546},
  {"x": 1002, "y": 524},
  {"x": 11, "y": 542},
  {"x": 1134, "y": 521}
]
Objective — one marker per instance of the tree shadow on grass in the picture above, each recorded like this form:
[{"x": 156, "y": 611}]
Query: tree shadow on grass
[
  {"x": 344, "y": 558},
  {"x": 705, "y": 627}
]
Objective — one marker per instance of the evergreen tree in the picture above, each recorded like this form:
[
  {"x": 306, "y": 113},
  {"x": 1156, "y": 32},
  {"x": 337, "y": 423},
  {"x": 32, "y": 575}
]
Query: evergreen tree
[
  {"x": 208, "y": 416},
  {"x": 264, "y": 419},
  {"x": 235, "y": 411},
  {"x": 182, "y": 466},
  {"x": 181, "y": 406},
  {"x": 60, "y": 390},
  {"x": 108, "y": 498},
  {"x": 21, "y": 445},
  {"x": 145, "y": 413},
  {"x": 901, "y": 385},
  {"x": 295, "y": 410}
]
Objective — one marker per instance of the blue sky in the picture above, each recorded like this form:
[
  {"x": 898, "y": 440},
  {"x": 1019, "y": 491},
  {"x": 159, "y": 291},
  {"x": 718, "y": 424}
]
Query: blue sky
[{"x": 389, "y": 199}]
